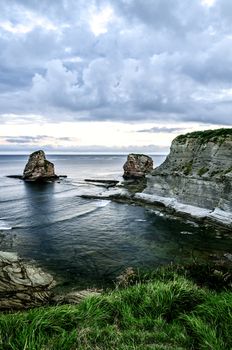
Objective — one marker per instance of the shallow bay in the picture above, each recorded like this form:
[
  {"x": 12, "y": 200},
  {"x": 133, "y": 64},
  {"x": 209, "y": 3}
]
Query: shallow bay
[{"x": 89, "y": 242}]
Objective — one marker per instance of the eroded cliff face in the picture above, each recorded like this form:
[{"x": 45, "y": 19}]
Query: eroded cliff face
[{"x": 198, "y": 171}]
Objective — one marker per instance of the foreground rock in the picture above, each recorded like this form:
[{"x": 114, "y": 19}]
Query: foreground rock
[
  {"x": 38, "y": 168},
  {"x": 196, "y": 177},
  {"x": 22, "y": 285},
  {"x": 137, "y": 166},
  {"x": 75, "y": 297}
]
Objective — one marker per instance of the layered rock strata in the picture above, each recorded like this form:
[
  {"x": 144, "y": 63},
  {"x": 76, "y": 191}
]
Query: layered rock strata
[
  {"x": 22, "y": 285},
  {"x": 38, "y": 168},
  {"x": 137, "y": 166},
  {"x": 194, "y": 182},
  {"x": 196, "y": 174}
]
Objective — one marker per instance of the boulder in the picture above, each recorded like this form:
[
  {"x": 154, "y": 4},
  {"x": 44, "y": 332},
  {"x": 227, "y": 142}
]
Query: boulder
[
  {"x": 137, "y": 166},
  {"x": 22, "y": 285},
  {"x": 38, "y": 168}
]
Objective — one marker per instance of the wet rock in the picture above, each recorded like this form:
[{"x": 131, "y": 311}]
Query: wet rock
[
  {"x": 103, "y": 183},
  {"x": 228, "y": 256},
  {"x": 22, "y": 285},
  {"x": 38, "y": 168},
  {"x": 137, "y": 166}
]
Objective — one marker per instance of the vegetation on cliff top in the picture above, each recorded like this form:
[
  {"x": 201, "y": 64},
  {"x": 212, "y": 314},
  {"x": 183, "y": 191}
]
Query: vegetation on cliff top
[
  {"x": 218, "y": 135},
  {"x": 161, "y": 311}
]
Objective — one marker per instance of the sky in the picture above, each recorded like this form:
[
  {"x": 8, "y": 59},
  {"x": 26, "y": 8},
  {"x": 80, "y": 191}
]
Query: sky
[{"x": 112, "y": 76}]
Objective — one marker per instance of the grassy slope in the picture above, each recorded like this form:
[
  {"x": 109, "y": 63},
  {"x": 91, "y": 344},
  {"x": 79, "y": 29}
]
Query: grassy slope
[
  {"x": 217, "y": 135},
  {"x": 162, "y": 313}
]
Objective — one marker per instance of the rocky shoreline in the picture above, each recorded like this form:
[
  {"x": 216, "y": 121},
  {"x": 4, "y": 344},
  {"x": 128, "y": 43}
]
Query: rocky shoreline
[
  {"x": 215, "y": 218},
  {"x": 194, "y": 182},
  {"x": 23, "y": 285}
]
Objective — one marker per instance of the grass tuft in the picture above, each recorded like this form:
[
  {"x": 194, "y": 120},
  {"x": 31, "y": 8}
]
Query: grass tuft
[{"x": 166, "y": 312}]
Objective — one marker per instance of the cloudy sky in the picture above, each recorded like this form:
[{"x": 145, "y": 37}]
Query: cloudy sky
[{"x": 114, "y": 75}]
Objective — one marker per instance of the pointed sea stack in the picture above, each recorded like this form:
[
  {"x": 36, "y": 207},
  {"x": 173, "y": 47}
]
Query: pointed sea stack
[
  {"x": 38, "y": 168},
  {"x": 137, "y": 166}
]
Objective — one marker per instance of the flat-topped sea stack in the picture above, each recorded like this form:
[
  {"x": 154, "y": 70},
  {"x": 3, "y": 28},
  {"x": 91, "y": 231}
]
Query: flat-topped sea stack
[
  {"x": 38, "y": 168},
  {"x": 137, "y": 166},
  {"x": 197, "y": 173}
]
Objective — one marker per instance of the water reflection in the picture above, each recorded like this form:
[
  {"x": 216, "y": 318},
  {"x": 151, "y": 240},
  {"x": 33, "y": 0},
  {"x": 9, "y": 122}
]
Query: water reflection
[{"x": 89, "y": 242}]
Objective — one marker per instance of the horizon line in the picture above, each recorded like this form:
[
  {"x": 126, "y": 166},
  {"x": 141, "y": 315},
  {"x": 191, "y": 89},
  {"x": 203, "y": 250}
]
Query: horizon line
[{"x": 80, "y": 153}]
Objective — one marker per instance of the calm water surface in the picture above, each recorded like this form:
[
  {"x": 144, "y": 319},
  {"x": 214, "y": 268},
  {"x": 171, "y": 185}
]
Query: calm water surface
[{"x": 89, "y": 242}]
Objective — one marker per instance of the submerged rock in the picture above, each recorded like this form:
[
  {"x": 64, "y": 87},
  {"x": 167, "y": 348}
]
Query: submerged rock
[
  {"x": 137, "y": 166},
  {"x": 38, "y": 168},
  {"x": 22, "y": 285}
]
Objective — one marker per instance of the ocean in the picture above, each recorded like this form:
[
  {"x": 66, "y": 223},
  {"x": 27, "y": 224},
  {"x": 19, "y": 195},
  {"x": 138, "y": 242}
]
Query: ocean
[{"x": 87, "y": 243}]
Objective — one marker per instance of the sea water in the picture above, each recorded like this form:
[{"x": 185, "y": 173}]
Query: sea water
[{"x": 86, "y": 242}]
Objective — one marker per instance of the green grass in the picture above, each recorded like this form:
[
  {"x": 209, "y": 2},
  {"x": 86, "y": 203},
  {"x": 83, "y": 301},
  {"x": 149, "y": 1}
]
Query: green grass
[
  {"x": 202, "y": 171},
  {"x": 164, "y": 311},
  {"x": 218, "y": 135},
  {"x": 188, "y": 168}
]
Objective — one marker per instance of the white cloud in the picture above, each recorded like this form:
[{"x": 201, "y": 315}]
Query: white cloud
[
  {"x": 116, "y": 61},
  {"x": 29, "y": 21},
  {"x": 100, "y": 20},
  {"x": 208, "y": 3}
]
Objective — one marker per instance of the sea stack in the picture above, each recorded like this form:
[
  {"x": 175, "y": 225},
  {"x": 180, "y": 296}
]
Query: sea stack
[
  {"x": 38, "y": 168},
  {"x": 137, "y": 166}
]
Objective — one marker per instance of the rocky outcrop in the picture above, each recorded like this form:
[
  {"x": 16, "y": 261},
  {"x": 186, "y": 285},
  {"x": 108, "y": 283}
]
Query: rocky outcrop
[
  {"x": 196, "y": 173},
  {"x": 22, "y": 285},
  {"x": 38, "y": 168},
  {"x": 75, "y": 297},
  {"x": 137, "y": 166}
]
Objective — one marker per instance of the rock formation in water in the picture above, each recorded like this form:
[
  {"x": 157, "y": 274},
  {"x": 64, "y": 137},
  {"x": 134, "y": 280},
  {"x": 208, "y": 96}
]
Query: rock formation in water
[
  {"x": 196, "y": 176},
  {"x": 137, "y": 166},
  {"x": 38, "y": 168},
  {"x": 22, "y": 285}
]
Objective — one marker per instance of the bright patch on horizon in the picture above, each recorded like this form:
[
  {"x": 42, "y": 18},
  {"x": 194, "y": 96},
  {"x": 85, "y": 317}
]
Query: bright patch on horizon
[
  {"x": 99, "y": 20},
  {"x": 82, "y": 136},
  {"x": 208, "y": 3}
]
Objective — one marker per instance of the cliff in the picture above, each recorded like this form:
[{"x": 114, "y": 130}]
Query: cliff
[{"x": 197, "y": 173}]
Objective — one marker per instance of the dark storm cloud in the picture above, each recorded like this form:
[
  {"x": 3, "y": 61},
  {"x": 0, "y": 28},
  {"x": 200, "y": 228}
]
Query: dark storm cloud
[{"x": 157, "y": 60}]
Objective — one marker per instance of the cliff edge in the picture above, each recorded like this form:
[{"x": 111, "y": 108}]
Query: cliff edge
[{"x": 197, "y": 173}]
